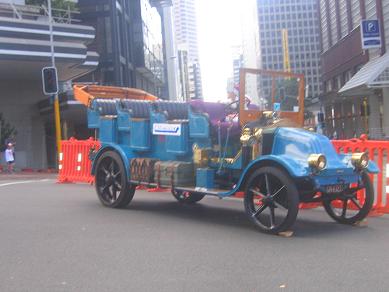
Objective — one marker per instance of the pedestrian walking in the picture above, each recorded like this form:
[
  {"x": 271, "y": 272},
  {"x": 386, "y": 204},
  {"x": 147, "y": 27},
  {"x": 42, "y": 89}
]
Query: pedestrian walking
[
  {"x": 11, "y": 140},
  {"x": 9, "y": 157}
]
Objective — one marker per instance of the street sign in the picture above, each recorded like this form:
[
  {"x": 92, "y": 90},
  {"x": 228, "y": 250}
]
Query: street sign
[
  {"x": 50, "y": 80},
  {"x": 370, "y": 34}
]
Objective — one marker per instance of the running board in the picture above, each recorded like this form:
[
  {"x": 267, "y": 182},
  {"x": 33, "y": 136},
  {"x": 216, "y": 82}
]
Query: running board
[
  {"x": 212, "y": 192},
  {"x": 205, "y": 191}
]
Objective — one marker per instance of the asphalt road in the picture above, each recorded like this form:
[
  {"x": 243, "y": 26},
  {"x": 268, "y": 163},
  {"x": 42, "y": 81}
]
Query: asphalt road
[{"x": 59, "y": 238}]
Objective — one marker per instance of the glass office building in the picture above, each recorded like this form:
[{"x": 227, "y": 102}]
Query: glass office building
[
  {"x": 185, "y": 29},
  {"x": 300, "y": 19},
  {"x": 129, "y": 39}
]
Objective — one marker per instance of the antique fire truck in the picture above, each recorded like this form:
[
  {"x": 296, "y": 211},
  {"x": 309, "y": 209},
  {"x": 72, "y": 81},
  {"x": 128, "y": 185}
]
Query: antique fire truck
[{"x": 254, "y": 146}]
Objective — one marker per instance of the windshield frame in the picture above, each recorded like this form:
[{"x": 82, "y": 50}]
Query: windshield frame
[{"x": 250, "y": 115}]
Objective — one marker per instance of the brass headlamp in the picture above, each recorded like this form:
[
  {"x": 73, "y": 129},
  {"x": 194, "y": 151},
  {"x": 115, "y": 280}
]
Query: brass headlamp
[
  {"x": 245, "y": 137},
  {"x": 317, "y": 161},
  {"x": 360, "y": 160}
]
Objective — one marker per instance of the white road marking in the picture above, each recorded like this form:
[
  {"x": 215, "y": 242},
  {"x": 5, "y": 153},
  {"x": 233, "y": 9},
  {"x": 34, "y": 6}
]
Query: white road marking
[{"x": 23, "y": 182}]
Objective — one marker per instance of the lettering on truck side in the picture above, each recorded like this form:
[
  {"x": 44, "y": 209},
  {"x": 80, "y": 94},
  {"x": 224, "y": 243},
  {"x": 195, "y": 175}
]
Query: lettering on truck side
[{"x": 166, "y": 129}]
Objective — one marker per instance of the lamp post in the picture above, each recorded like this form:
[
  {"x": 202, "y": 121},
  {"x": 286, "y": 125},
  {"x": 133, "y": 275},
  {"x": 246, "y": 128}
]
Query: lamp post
[{"x": 56, "y": 101}]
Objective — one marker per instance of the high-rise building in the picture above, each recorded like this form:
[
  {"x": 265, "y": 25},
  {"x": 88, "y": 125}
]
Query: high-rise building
[
  {"x": 170, "y": 50},
  {"x": 237, "y": 63},
  {"x": 195, "y": 86},
  {"x": 300, "y": 19},
  {"x": 129, "y": 39},
  {"x": 182, "y": 54},
  {"x": 185, "y": 28},
  {"x": 355, "y": 81},
  {"x": 250, "y": 51}
]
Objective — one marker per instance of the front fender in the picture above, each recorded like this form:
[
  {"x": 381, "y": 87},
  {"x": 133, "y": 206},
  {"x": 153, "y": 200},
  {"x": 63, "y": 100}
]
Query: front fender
[
  {"x": 292, "y": 166},
  {"x": 111, "y": 147}
]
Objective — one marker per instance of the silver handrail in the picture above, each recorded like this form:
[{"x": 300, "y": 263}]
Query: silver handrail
[
  {"x": 15, "y": 10},
  {"x": 33, "y": 12}
]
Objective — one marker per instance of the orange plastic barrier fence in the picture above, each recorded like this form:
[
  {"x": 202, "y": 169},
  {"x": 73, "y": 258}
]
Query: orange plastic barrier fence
[
  {"x": 378, "y": 152},
  {"x": 74, "y": 164}
]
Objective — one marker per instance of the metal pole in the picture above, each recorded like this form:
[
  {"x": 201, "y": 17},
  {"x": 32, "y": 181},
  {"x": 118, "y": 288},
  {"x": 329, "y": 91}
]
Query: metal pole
[
  {"x": 57, "y": 117},
  {"x": 366, "y": 116},
  {"x": 51, "y": 33},
  {"x": 57, "y": 124}
]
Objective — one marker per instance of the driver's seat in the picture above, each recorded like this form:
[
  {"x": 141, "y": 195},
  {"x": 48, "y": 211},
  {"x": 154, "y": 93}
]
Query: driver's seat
[{"x": 216, "y": 112}]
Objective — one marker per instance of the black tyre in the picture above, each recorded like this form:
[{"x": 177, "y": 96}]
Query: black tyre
[
  {"x": 111, "y": 182},
  {"x": 271, "y": 200},
  {"x": 354, "y": 207},
  {"x": 187, "y": 197}
]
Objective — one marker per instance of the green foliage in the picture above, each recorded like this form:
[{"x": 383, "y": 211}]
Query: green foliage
[
  {"x": 56, "y": 4},
  {"x": 6, "y": 131},
  {"x": 34, "y": 2}
]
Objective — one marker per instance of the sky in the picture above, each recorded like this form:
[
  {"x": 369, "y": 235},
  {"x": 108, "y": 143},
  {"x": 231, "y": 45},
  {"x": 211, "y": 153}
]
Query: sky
[{"x": 219, "y": 29}]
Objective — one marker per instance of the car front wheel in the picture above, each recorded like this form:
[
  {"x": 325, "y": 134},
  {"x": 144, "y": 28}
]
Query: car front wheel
[{"x": 271, "y": 200}]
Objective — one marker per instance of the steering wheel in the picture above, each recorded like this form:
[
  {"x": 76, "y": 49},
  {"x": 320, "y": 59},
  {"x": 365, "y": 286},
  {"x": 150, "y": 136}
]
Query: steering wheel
[{"x": 230, "y": 109}]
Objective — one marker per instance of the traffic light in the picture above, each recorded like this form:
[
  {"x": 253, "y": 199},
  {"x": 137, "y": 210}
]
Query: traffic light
[{"x": 49, "y": 79}]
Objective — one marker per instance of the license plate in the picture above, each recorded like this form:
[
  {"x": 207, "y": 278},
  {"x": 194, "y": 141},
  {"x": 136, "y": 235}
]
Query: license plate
[{"x": 332, "y": 189}]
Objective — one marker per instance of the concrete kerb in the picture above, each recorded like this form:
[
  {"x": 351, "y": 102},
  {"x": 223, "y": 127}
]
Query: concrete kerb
[{"x": 26, "y": 176}]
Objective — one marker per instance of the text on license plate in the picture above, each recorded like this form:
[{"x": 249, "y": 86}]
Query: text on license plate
[{"x": 335, "y": 189}]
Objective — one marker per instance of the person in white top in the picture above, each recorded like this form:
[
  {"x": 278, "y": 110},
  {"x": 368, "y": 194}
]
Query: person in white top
[{"x": 9, "y": 157}]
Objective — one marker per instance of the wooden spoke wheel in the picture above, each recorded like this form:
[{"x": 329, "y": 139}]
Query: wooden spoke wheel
[
  {"x": 111, "y": 182},
  {"x": 353, "y": 207},
  {"x": 187, "y": 197},
  {"x": 271, "y": 200}
]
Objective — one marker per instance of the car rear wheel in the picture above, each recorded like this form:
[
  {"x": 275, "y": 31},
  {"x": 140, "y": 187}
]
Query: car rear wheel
[
  {"x": 271, "y": 200},
  {"x": 354, "y": 207},
  {"x": 112, "y": 185}
]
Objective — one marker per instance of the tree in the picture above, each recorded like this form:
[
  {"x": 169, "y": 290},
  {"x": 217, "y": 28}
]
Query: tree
[{"x": 6, "y": 131}]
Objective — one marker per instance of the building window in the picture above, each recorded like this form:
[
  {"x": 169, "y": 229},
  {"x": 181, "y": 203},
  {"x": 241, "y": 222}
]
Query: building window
[
  {"x": 347, "y": 76},
  {"x": 328, "y": 85},
  {"x": 338, "y": 81},
  {"x": 108, "y": 35}
]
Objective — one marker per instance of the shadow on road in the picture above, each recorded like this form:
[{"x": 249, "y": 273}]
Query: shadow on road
[{"x": 310, "y": 223}]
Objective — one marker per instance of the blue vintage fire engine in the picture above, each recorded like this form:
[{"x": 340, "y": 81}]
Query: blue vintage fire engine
[{"x": 207, "y": 148}]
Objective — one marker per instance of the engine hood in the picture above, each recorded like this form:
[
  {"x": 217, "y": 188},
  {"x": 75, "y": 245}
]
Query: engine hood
[{"x": 297, "y": 144}]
